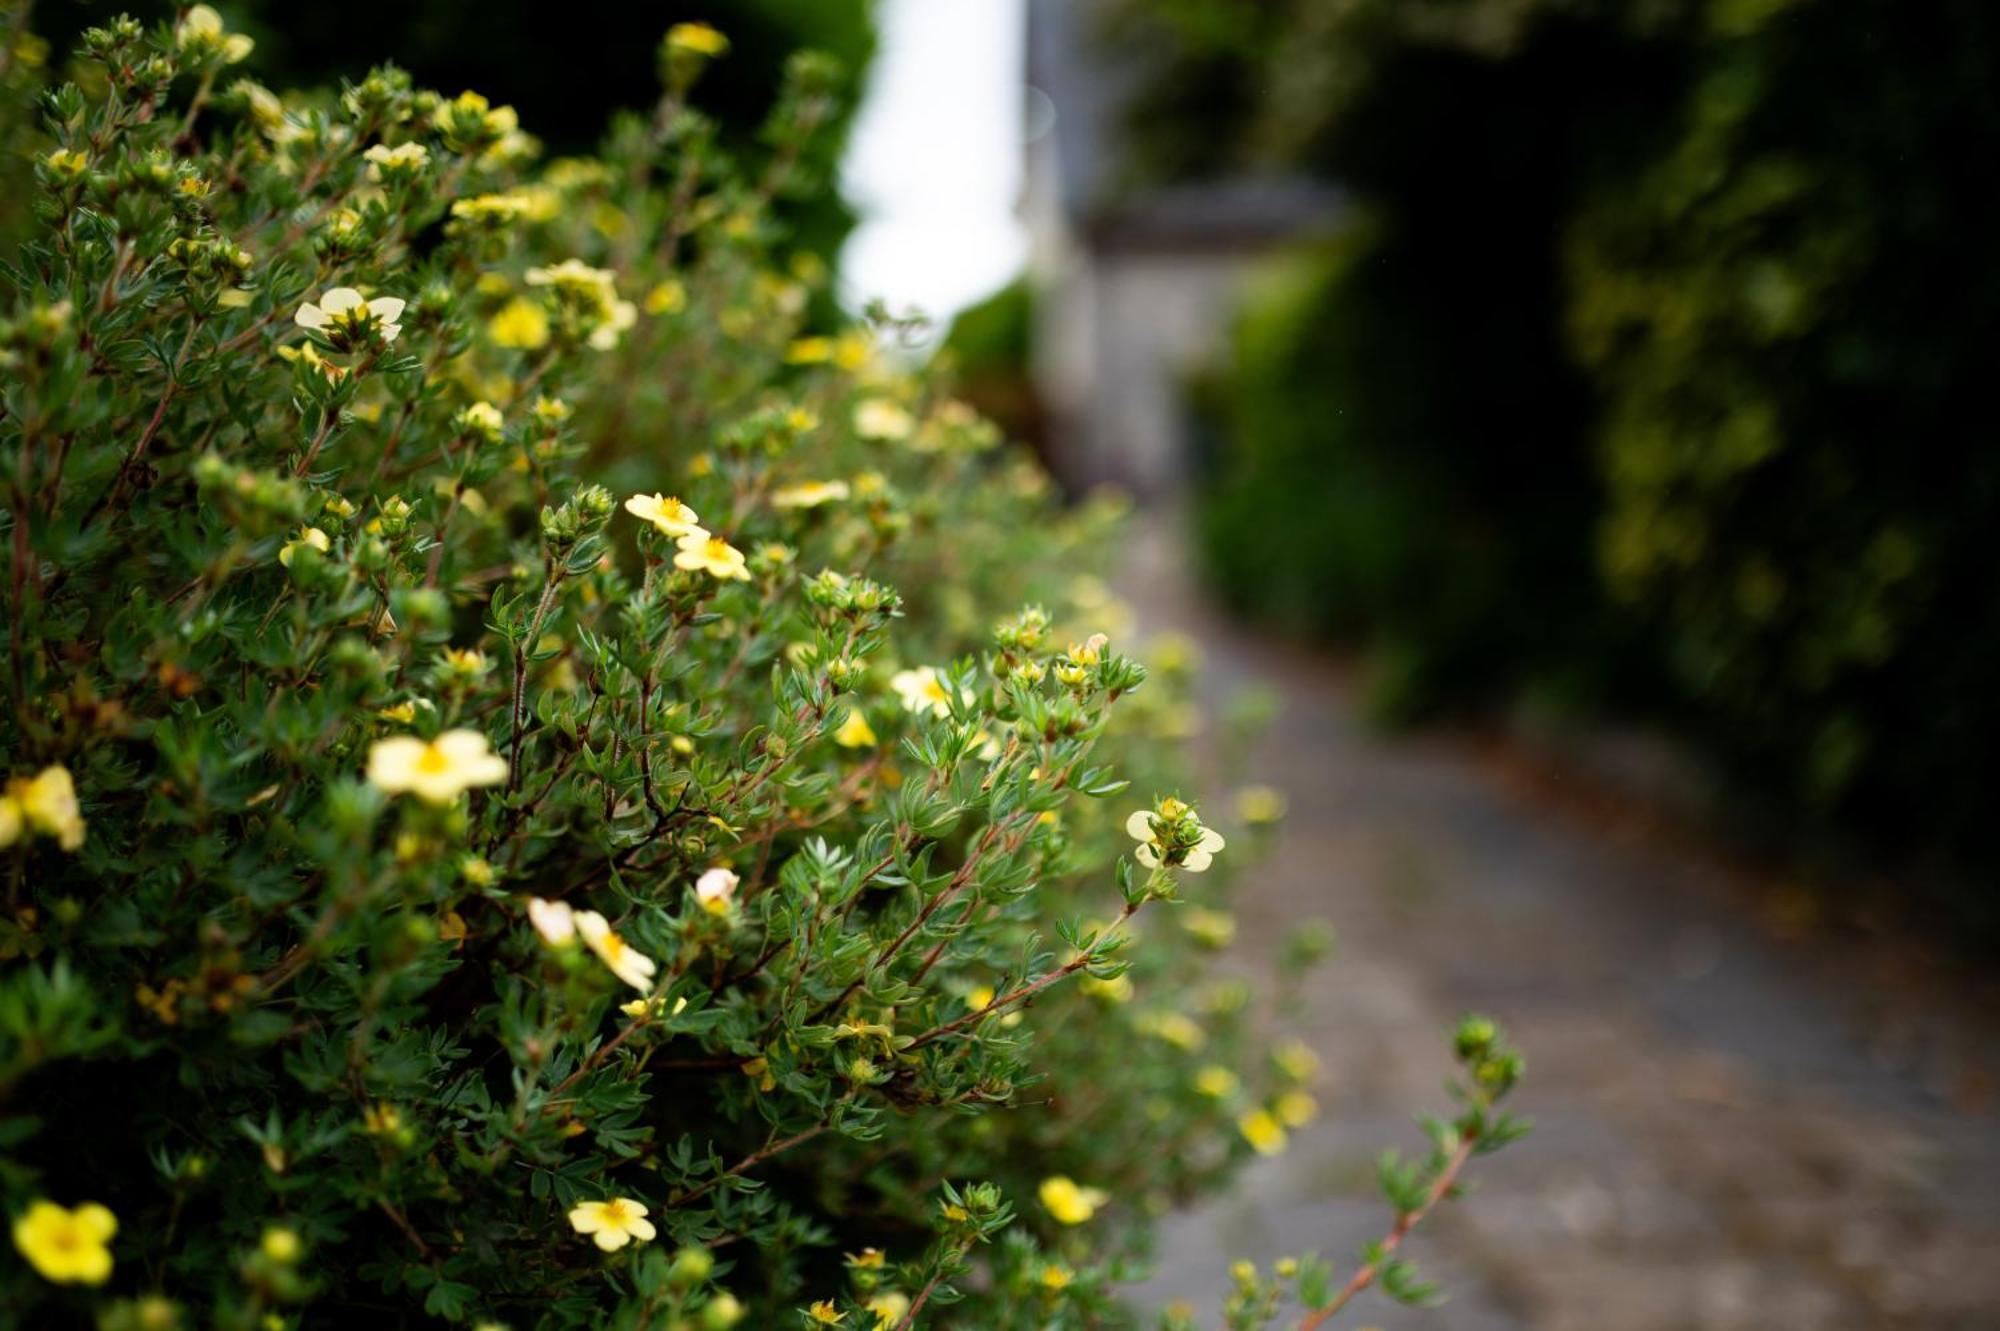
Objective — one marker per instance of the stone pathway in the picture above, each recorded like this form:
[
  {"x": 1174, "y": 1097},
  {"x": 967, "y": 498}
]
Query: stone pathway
[{"x": 1739, "y": 1125}]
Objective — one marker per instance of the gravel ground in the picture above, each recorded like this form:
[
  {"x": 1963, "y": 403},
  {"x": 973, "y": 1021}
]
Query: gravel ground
[{"x": 1742, "y": 1122}]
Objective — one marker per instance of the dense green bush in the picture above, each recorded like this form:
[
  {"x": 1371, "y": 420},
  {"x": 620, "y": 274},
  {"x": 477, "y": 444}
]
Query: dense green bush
[{"x": 443, "y": 887}]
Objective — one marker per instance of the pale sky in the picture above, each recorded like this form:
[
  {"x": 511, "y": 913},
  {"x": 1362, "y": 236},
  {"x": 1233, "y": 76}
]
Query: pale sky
[{"x": 934, "y": 166}]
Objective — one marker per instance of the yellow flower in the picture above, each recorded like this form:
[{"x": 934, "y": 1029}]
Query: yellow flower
[
  {"x": 520, "y": 324},
  {"x": 481, "y": 419},
  {"x": 669, "y": 297},
  {"x": 1177, "y": 1029},
  {"x": 714, "y": 889},
  {"x": 868, "y": 1259},
  {"x": 1054, "y": 1275},
  {"x": 809, "y": 351},
  {"x": 879, "y": 418},
  {"x": 612, "y": 1224},
  {"x": 712, "y": 554},
  {"x": 200, "y": 32},
  {"x": 1069, "y": 1203},
  {"x": 1214, "y": 928},
  {"x": 671, "y": 516},
  {"x": 855, "y": 732},
  {"x": 550, "y": 410},
  {"x": 697, "y": 39},
  {"x": 405, "y": 159},
  {"x": 1260, "y": 804},
  {"x": 311, "y": 536},
  {"x": 65, "y": 1246},
  {"x": 467, "y": 661},
  {"x": 44, "y": 803},
  {"x": 66, "y": 163},
  {"x": 345, "y": 316},
  {"x": 492, "y": 210},
  {"x": 889, "y": 1307},
  {"x": 280, "y": 1245},
  {"x": 824, "y": 1313},
  {"x": 628, "y": 963},
  {"x": 922, "y": 690},
  {"x": 436, "y": 771},
  {"x": 1296, "y": 1060},
  {"x": 1215, "y": 1082},
  {"x": 1263, "y": 1131},
  {"x": 810, "y": 494},
  {"x": 653, "y": 1007},
  {"x": 1295, "y": 1109}
]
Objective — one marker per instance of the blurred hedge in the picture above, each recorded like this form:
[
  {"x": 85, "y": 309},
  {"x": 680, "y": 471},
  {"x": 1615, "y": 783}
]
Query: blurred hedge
[{"x": 1689, "y": 295}]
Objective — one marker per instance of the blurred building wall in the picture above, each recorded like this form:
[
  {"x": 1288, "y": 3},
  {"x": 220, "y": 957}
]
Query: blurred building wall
[{"x": 1134, "y": 285}]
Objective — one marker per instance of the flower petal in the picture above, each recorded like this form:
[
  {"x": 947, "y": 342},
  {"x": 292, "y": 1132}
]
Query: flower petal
[{"x": 340, "y": 300}]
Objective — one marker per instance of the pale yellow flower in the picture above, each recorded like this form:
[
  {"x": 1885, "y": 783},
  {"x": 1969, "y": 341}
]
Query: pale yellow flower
[
  {"x": 1260, "y": 804},
  {"x": 436, "y": 771},
  {"x": 200, "y": 32},
  {"x": 1295, "y": 1109},
  {"x": 405, "y": 159},
  {"x": 809, "y": 494},
  {"x": 1068, "y": 1203},
  {"x": 712, "y": 554},
  {"x": 628, "y": 963},
  {"x": 669, "y": 515},
  {"x": 467, "y": 661},
  {"x": 824, "y": 1313},
  {"x": 65, "y": 1246},
  {"x": 311, "y": 536},
  {"x": 612, "y": 1224},
  {"x": 923, "y": 690},
  {"x": 344, "y": 313},
  {"x": 481, "y": 419},
  {"x": 553, "y": 920},
  {"x": 880, "y": 418},
  {"x": 1216, "y": 1082},
  {"x": 1198, "y": 856},
  {"x": 889, "y": 1308},
  {"x": 715, "y": 889}
]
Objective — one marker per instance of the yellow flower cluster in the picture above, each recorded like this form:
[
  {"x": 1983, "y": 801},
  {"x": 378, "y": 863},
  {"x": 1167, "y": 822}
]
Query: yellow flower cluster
[
  {"x": 43, "y": 804},
  {"x": 695, "y": 547}
]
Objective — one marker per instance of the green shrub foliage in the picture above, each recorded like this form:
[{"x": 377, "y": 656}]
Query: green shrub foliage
[{"x": 538, "y": 790}]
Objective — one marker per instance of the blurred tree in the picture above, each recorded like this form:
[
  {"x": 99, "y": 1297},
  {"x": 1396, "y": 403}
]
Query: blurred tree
[{"x": 566, "y": 68}]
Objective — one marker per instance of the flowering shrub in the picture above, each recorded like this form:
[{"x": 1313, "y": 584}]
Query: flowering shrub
[{"x": 517, "y": 809}]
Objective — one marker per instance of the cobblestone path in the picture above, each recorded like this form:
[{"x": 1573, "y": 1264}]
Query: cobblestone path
[{"x": 1739, "y": 1125}]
